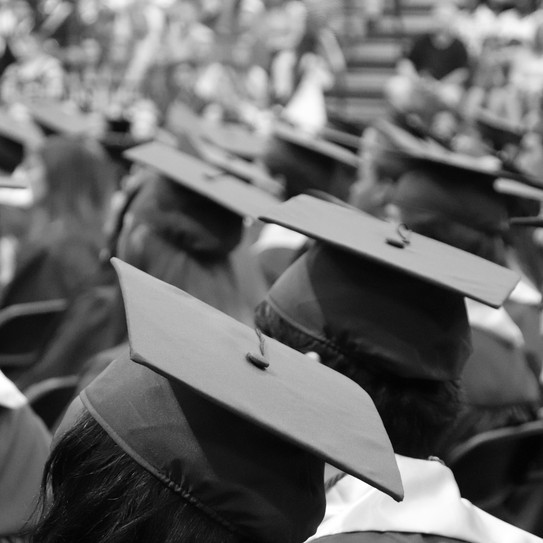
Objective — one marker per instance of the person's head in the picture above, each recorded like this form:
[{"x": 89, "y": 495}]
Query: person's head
[
  {"x": 308, "y": 167},
  {"x": 189, "y": 204},
  {"x": 186, "y": 221},
  {"x": 415, "y": 411},
  {"x": 453, "y": 210},
  {"x": 186, "y": 438},
  {"x": 93, "y": 492},
  {"x": 444, "y": 14},
  {"x": 379, "y": 169},
  {"x": 374, "y": 308},
  {"x": 72, "y": 179}
]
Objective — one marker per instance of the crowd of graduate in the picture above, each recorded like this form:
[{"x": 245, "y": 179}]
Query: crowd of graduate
[{"x": 224, "y": 319}]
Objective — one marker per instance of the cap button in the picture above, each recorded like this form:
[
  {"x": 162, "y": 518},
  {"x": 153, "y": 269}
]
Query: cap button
[{"x": 257, "y": 360}]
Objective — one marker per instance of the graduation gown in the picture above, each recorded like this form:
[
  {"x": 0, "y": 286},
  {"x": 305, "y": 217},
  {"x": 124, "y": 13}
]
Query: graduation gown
[
  {"x": 501, "y": 387},
  {"x": 432, "y": 512},
  {"x": 24, "y": 448}
]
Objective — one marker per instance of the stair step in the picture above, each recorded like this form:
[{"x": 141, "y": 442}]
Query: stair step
[
  {"x": 374, "y": 53},
  {"x": 369, "y": 82},
  {"x": 411, "y": 6},
  {"x": 408, "y": 26}
]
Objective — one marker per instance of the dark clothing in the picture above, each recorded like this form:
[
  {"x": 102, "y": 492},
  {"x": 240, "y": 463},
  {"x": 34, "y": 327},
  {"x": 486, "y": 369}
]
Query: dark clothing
[
  {"x": 24, "y": 448},
  {"x": 386, "y": 537},
  {"x": 60, "y": 265},
  {"x": 94, "y": 321},
  {"x": 435, "y": 61},
  {"x": 57, "y": 266},
  {"x": 194, "y": 244}
]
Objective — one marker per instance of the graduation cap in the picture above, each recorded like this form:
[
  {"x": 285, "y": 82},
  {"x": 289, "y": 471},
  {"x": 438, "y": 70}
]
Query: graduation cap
[
  {"x": 350, "y": 140},
  {"x": 414, "y": 152},
  {"x": 240, "y": 168},
  {"x": 56, "y": 118},
  {"x": 372, "y": 288},
  {"x": 236, "y": 423},
  {"x": 318, "y": 145},
  {"x": 235, "y": 139},
  {"x": 499, "y": 131},
  {"x": 208, "y": 181}
]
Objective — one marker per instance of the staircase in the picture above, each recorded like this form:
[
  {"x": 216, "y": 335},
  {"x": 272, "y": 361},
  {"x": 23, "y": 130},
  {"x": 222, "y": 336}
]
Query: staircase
[{"x": 357, "y": 99}]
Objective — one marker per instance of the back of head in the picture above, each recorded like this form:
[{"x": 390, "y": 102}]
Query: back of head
[
  {"x": 455, "y": 210},
  {"x": 110, "y": 498},
  {"x": 207, "y": 453},
  {"x": 79, "y": 179},
  {"x": 305, "y": 170},
  {"x": 188, "y": 222},
  {"x": 404, "y": 341}
]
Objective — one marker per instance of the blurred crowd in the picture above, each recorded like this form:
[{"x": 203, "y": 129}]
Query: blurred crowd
[
  {"x": 106, "y": 56},
  {"x": 190, "y": 139}
]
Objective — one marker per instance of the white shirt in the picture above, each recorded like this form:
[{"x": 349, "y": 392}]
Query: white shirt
[{"x": 432, "y": 505}]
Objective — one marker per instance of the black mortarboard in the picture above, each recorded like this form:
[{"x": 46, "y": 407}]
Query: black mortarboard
[
  {"x": 235, "y": 422},
  {"x": 497, "y": 130},
  {"x": 210, "y": 182},
  {"x": 316, "y": 144},
  {"x": 308, "y": 163},
  {"x": 370, "y": 288}
]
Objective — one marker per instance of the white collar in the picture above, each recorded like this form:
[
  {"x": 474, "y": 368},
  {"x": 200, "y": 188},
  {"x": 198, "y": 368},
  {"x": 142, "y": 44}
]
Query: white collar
[
  {"x": 496, "y": 322},
  {"x": 10, "y": 396},
  {"x": 432, "y": 505}
]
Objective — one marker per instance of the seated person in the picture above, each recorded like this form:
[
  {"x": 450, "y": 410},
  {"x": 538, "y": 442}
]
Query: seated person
[
  {"x": 24, "y": 447},
  {"x": 439, "y": 57},
  {"x": 382, "y": 309},
  {"x": 72, "y": 184},
  {"x": 502, "y": 388},
  {"x": 187, "y": 439}
]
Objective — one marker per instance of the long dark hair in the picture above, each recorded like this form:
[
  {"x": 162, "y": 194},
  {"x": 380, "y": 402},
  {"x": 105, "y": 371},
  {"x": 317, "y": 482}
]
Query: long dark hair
[
  {"x": 80, "y": 180},
  {"x": 92, "y": 492}
]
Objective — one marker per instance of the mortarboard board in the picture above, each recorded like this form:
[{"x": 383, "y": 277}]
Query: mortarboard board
[
  {"x": 347, "y": 140},
  {"x": 514, "y": 188},
  {"x": 497, "y": 130},
  {"x": 56, "y": 118},
  {"x": 376, "y": 290},
  {"x": 210, "y": 182},
  {"x": 417, "y": 152},
  {"x": 510, "y": 187},
  {"x": 235, "y": 422},
  {"x": 315, "y": 144},
  {"x": 235, "y": 139},
  {"x": 240, "y": 168}
]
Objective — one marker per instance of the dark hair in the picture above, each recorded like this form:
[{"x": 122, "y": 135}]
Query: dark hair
[
  {"x": 416, "y": 413},
  {"x": 80, "y": 179},
  {"x": 93, "y": 492}
]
